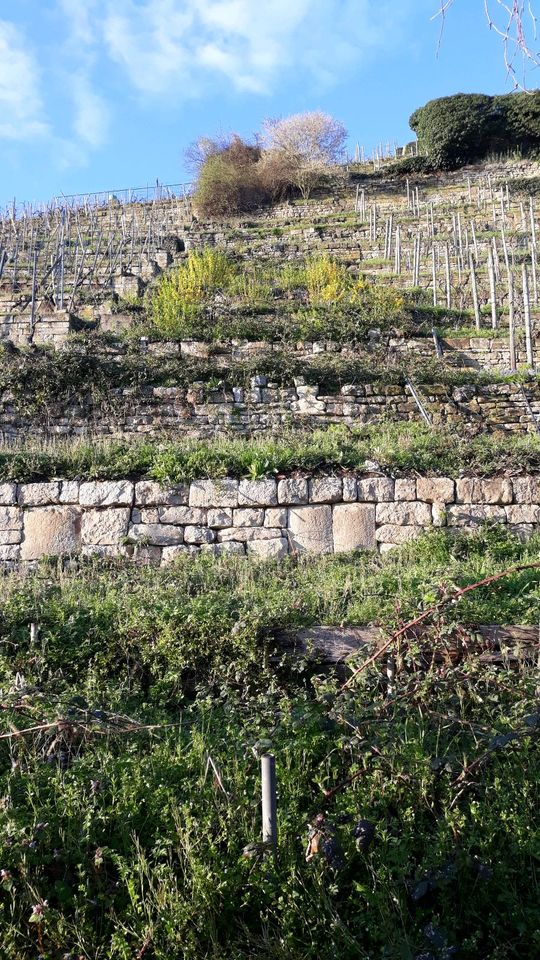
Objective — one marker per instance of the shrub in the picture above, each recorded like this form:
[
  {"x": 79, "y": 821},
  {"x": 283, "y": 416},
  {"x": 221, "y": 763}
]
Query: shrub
[
  {"x": 229, "y": 181},
  {"x": 305, "y": 145},
  {"x": 468, "y": 127},
  {"x": 181, "y": 293}
]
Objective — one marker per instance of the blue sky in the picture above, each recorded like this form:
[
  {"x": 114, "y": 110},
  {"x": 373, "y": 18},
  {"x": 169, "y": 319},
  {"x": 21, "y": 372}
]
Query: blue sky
[{"x": 104, "y": 94}]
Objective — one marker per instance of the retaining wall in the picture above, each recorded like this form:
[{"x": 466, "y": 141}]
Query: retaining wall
[
  {"x": 266, "y": 518},
  {"x": 199, "y": 411}
]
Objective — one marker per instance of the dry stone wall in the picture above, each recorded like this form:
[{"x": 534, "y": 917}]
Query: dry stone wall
[
  {"x": 267, "y": 518},
  {"x": 199, "y": 411}
]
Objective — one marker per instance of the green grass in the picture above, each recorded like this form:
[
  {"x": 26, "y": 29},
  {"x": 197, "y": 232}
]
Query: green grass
[
  {"x": 401, "y": 449},
  {"x": 128, "y": 843}
]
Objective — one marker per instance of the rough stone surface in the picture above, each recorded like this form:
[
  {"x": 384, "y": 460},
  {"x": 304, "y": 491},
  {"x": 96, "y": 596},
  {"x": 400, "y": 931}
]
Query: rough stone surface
[
  {"x": 107, "y": 526},
  {"x": 159, "y": 534},
  {"x": 405, "y": 489},
  {"x": 38, "y": 494},
  {"x": 248, "y": 517},
  {"x": 350, "y": 489},
  {"x": 375, "y": 489},
  {"x": 526, "y": 489},
  {"x": 151, "y": 494},
  {"x": 106, "y": 493},
  {"x": 69, "y": 491},
  {"x": 220, "y": 518},
  {"x": 523, "y": 513},
  {"x": 8, "y": 494},
  {"x": 435, "y": 489},
  {"x": 199, "y": 535},
  {"x": 410, "y": 512},
  {"x": 182, "y": 515},
  {"x": 311, "y": 529},
  {"x": 494, "y": 491},
  {"x": 293, "y": 490},
  {"x": 273, "y": 549},
  {"x": 213, "y": 493},
  {"x": 275, "y": 517},
  {"x": 257, "y": 493},
  {"x": 354, "y": 527},
  {"x": 325, "y": 490},
  {"x": 51, "y": 531},
  {"x": 392, "y": 534},
  {"x": 472, "y": 515}
]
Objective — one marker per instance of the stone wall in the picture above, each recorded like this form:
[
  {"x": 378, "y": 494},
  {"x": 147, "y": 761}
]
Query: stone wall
[
  {"x": 200, "y": 411},
  {"x": 265, "y": 518}
]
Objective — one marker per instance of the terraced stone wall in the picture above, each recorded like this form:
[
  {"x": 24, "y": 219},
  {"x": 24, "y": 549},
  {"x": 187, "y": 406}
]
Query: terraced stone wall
[
  {"x": 265, "y": 518},
  {"x": 199, "y": 411}
]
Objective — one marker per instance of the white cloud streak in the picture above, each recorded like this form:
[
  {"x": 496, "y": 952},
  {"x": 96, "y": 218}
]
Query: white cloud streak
[
  {"x": 186, "y": 47},
  {"x": 92, "y": 115},
  {"x": 21, "y": 107}
]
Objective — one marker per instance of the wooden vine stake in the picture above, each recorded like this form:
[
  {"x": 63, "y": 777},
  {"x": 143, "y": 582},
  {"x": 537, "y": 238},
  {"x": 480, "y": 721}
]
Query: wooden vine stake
[
  {"x": 474, "y": 288},
  {"x": 511, "y": 322},
  {"x": 492, "y": 289},
  {"x": 527, "y": 316}
]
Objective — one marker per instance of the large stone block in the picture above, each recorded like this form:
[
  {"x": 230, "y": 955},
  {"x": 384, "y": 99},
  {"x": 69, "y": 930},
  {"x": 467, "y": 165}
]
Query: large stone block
[
  {"x": 51, "y": 531},
  {"x": 311, "y": 529},
  {"x": 257, "y": 493},
  {"x": 102, "y": 527},
  {"x": 474, "y": 514},
  {"x": 325, "y": 490},
  {"x": 498, "y": 490},
  {"x": 435, "y": 489},
  {"x": 523, "y": 513},
  {"x": 214, "y": 493},
  {"x": 268, "y": 549},
  {"x": 376, "y": 489},
  {"x": 11, "y": 518},
  {"x": 275, "y": 517},
  {"x": 38, "y": 494},
  {"x": 106, "y": 493},
  {"x": 8, "y": 494},
  {"x": 405, "y": 489},
  {"x": 390, "y": 533},
  {"x": 156, "y": 534},
  {"x": 412, "y": 512},
  {"x": 526, "y": 489},
  {"x": 246, "y": 517},
  {"x": 182, "y": 515},
  {"x": 354, "y": 527},
  {"x": 151, "y": 494},
  {"x": 220, "y": 518},
  {"x": 69, "y": 491},
  {"x": 243, "y": 534},
  {"x": 292, "y": 491},
  {"x": 199, "y": 535}
]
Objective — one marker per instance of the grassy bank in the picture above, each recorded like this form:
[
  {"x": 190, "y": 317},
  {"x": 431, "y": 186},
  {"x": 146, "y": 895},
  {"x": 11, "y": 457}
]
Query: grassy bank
[
  {"x": 120, "y": 840},
  {"x": 399, "y": 448}
]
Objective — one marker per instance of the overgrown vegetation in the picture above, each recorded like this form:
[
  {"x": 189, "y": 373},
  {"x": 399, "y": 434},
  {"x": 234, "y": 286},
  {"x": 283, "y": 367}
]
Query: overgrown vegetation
[
  {"x": 213, "y": 297},
  {"x": 400, "y": 448},
  {"x": 290, "y": 157},
  {"x": 466, "y": 128},
  {"x": 131, "y": 807}
]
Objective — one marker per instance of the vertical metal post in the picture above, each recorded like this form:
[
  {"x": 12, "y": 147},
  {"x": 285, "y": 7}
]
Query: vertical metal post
[
  {"x": 527, "y": 315},
  {"x": 34, "y": 633},
  {"x": 269, "y": 799}
]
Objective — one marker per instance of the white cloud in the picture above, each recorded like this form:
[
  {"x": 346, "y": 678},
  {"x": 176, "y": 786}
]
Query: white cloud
[
  {"x": 91, "y": 113},
  {"x": 183, "y": 47},
  {"x": 21, "y": 108}
]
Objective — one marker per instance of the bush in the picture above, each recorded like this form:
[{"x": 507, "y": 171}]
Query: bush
[
  {"x": 229, "y": 180},
  {"x": 180, "y": 294},
  {"x": 468, "y": 127}
]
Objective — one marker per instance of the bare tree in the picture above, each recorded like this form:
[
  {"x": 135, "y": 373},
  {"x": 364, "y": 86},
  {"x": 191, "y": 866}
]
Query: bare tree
[
  {"x": 515, "y": 22},
  {"x": 306, "y": 144}
]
